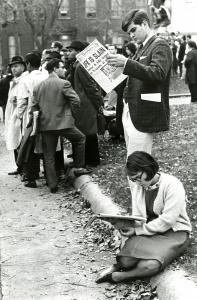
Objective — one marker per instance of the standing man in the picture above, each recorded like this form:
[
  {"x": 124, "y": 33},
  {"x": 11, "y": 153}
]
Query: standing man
[
  {"x": 146, "y": 96},
  {"x": 31, "y": 167},
  {"x": 54, "y": 98},
  {"x": 191, "y": 70},
  {"x": 13, "y": 132},
  {"x": 91, "y": 101}
]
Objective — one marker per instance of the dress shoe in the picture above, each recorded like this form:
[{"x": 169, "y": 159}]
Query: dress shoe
[
  {"x": 13, "y": 172},
  {"x": 54, "y": 190},
  {"x": 31, "y": 184}
]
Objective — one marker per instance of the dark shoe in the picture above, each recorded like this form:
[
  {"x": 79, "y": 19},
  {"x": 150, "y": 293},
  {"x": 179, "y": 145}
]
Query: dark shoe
[
  {"x": 31, "y": 184},
  {"x": 107, "y": 277},
  {"x": 54, "y": 190},
  {"x": 81, "y": 171},
  {"x": 16, "y": 172}
]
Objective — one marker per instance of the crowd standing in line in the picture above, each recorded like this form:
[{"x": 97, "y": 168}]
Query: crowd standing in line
[{"x": 36, "y": 126}]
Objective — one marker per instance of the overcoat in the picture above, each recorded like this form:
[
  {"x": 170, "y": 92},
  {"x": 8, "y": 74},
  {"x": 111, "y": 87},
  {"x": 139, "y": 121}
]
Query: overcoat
[
  {"x": 191, "y": 67},
  {"x": 147, "y": 89},
  {"x": 13, "y": 132},
  {"x": 90, "y": 101}
]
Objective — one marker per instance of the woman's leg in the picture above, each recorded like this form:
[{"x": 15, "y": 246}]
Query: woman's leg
[
  {"x": 144, "y": 268},
  {"x": 122, "y": 263}
]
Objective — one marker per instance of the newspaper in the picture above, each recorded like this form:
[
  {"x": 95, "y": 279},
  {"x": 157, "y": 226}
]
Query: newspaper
[{"x": 94, "y": 60}]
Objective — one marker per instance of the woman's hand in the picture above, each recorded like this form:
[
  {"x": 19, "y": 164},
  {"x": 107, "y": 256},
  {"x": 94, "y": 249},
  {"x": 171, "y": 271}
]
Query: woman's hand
[{"x": 128, "y": 232}]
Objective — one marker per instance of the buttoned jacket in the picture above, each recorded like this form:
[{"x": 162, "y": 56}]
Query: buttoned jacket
[{"x": 147, "y": 90}]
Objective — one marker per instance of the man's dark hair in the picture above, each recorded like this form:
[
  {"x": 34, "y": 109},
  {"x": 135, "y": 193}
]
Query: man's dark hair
[
  {"x": 34, "y": 59},
  {"x": 192, "y": 44},
  {"x": 137, "y": 16},
  {"x": 55, "y": 54},
  {"x": 53, "y": 63},
  {"x": 189, "y": 36},
  {"x": 184, "y": 38},
  {"x": 140, "y": 161},
  {"x": 57, "y": 44}
]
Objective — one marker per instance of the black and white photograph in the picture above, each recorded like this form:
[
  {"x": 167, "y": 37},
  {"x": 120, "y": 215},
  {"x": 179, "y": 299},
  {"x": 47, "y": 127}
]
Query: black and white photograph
[{"x": 98, "y": 160}]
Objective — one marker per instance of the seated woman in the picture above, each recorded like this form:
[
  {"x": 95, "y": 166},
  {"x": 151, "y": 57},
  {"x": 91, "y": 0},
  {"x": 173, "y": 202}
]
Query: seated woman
[{"x": 151, "y": 246}]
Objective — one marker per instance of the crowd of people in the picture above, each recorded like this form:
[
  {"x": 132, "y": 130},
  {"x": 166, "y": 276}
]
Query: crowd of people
[{"x": 51, "y": 97}]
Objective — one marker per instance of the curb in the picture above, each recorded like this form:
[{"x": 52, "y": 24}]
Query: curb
[
  {"x": 170, "y": 284},
  {"x": 179, "y": 95}
]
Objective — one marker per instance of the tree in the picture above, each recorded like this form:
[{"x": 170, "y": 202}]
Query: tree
[
  {"x": 8, "y": 12},
  {"x": 41, "y": 16}
]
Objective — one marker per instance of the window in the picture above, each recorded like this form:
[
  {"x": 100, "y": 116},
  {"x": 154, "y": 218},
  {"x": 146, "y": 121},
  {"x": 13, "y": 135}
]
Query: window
[
  {"x": 11, "y": 46},
  {"x": 66, "y": 40},
  {"x": 116, "y": 8},
  {"x": 90, "y": 8},
  {"x": 64, "y": 10}
]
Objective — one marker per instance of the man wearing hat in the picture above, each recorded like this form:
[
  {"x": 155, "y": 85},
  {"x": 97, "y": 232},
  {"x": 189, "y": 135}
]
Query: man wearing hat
[
  {"x": 13, "y": 132},
  {"x": 91, "y": 101}
]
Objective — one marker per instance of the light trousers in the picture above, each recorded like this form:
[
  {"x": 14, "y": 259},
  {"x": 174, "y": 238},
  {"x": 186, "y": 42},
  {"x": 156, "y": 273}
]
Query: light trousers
[{"x": 135, "y": 139}]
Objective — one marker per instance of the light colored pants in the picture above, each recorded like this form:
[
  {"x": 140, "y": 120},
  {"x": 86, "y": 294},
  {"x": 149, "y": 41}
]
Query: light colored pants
[{"x": 135, "y": 139}]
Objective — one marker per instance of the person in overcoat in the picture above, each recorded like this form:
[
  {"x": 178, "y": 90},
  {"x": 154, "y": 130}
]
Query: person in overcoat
[
  {"x": 191, "y": 70},
  {"x": 13, "y": 132},
  {"x": 146, "y": 96},
  {"x": 4, "y": 89},
  {"x": 91, "y": 101}
]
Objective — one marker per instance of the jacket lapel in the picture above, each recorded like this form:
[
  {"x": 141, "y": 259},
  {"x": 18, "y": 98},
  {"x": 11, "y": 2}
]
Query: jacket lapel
[{"x": 140, "y": 53}]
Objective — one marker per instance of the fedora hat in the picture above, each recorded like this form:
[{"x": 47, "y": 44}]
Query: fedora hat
[
  {"x": 78, "y": 45},
  {"x": 17, "y": 60}
]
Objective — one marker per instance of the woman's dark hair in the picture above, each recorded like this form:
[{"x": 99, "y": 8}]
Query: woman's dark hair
[
  {"x": 53, "y": 63},
  {"x": 137, "y": 16},
  {"x": 140, "y": 161},
  {"x": 132, "y": 47}
]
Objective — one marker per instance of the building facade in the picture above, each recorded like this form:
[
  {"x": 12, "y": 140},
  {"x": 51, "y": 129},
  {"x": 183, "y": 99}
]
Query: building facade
[{"x": 77, "y": 19}]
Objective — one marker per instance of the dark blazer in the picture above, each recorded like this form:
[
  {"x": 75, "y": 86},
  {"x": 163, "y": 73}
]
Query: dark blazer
[
  {"x": 54, "y": 98},
  {"x": 149, "y": 73},
  {"x": 191, "y": 67}
]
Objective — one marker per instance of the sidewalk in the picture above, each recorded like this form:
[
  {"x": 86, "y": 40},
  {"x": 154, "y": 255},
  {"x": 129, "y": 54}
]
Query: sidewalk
[{"x": 44, "y": 254}]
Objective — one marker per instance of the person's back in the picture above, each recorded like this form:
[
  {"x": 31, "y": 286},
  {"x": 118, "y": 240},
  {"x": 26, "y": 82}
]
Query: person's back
[{"x": 55, "y": 108}]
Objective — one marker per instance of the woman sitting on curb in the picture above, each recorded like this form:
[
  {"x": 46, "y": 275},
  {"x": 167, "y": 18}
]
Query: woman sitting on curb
[{"x": 151, "y": 246}]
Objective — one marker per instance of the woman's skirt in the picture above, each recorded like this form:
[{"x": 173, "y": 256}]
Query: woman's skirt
[{"x": 164, "y": 247}]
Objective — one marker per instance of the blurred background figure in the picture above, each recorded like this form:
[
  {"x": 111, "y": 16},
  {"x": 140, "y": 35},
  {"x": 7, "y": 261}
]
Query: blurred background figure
[
  {"x": 161, "y": 13},
  {"x": 174, "y": 48},
  {"x": 130, "y": 49},
  {"x": 191, "y": 70},
  {"x": 56, "y": 46},
  {"x": 181, "y": 54}
]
